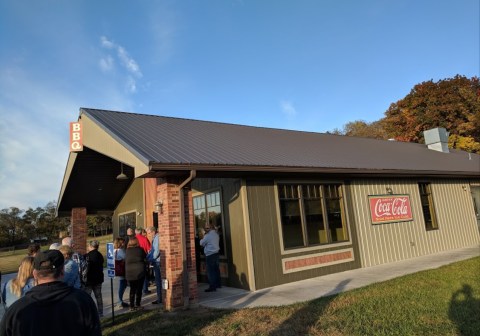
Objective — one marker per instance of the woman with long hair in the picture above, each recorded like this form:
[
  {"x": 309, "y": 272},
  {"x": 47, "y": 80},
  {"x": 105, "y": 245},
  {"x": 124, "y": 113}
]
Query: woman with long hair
[
  {"x": 135, "y": 271},
  {"x": 17, "y": 287}
]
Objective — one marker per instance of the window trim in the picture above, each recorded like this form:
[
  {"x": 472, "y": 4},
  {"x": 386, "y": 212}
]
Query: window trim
[
  {"x": 431, "y": 206},
  {"x": 318, "y": 247},
  {"x": 135, "y": 211},
  {"x": 204, "y": 193}
]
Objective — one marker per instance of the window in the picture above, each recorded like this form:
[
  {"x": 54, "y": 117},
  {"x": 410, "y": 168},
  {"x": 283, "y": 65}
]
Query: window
[
  {"x": 428, "y": 206},
  {"x": 311, "y": 214},
  {"x": 208, "y": 206},
  {"x": 125, "y": 221}
]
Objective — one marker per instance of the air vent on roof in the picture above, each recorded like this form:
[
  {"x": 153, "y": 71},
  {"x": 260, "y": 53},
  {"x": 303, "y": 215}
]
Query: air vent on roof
[{"x": 437, "y": 139}]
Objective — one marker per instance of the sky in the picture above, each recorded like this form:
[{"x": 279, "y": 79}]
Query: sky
[{"x": 311, "y": 65}]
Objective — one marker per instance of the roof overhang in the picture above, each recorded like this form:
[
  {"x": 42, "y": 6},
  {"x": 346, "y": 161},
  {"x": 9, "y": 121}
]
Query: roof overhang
[
  {"x": 161, "y": 170},
  {"x": 90, "y": 176}
]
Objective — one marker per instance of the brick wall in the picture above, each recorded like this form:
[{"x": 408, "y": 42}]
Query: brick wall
[
  {"x": 169, "y": 229},
  {"x": 79, "y": 229}
]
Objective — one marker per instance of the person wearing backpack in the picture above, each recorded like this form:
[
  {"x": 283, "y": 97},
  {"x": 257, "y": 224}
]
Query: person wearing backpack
[
  {"x": 79, "y": 260},
  {"x": 95, "y": 275}
]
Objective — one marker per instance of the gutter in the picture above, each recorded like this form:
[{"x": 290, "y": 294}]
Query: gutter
[{"x": 183, "y": 234}]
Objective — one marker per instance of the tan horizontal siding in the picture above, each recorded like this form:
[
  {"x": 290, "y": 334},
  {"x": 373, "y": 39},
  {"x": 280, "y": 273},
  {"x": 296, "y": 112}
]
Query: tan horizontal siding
[{"x": 391, "y": 242}]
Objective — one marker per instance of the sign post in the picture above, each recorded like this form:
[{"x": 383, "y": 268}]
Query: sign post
[{"x": 111, "y": 274}]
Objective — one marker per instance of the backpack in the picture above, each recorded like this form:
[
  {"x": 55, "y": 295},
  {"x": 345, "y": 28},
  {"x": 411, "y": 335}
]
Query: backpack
[
  {"x": 82, "y": 267},
  {"x": 84, "y": 270}
]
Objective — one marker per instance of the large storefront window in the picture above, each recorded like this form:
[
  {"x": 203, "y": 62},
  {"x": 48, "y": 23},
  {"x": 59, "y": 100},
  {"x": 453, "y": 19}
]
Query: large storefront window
[
  {"x": 311, "y": 214},
  {"x": 208, "y": 207},
  {"x": 428, "y": 206},
  {"x": 126, "y": 221}
]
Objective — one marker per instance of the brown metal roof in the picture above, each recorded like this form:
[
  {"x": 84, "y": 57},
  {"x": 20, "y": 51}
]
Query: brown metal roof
[{"x": 167, "y": 143}]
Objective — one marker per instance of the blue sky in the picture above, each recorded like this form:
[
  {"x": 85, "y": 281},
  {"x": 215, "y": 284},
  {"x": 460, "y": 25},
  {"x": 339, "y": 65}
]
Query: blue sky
[{"x": 310, "y": 65}]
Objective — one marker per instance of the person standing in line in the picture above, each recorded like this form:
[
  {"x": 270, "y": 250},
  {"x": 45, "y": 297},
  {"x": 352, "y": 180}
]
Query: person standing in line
[
  {"x": 51, "y": 307},
  {"x": 153, "y": 258},
  {"x": 145, "y": 244},
  {"x": 33, "y": 249},
  {"x": 71, "y": 276},
  {"x": 15, "y": 288},
  {"x": 95, "y": 274},
  {"x": 135, "y": 272},
  {"x": 119, "y": 255},
  {"x": 130, "y": 234},
  {"x": 76, "y": 257},
  {"x": 54, "y": 246},
  {"x": 211, "y": 246}
]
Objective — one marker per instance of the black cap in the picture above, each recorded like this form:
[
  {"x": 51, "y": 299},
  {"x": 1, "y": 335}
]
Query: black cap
[{"x": 48, "y": 260}]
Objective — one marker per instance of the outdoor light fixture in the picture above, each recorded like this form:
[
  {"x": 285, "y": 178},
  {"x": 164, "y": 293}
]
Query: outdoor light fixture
[
  {"x": 389, "y": 190},
  {"x": 159, "y": 206},
  {"x": 122, "y": 176}
]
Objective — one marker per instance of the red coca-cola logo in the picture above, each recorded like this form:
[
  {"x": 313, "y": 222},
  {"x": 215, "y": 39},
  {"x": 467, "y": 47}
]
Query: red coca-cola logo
[{"x": 390, "y": 208}]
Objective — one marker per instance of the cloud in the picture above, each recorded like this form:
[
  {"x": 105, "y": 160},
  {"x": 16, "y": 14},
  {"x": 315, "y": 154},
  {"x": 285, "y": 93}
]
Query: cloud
[
  {"x": 288, "y": 109},
  {"x": 131, "y": 85},
  {"x": 131, "y": 67},
  {"x": 128, "y": 62},
  {"x": 34, "y": 139},
  {"x": 106, "y": 43},
  {"x": 106, "y": 63}
]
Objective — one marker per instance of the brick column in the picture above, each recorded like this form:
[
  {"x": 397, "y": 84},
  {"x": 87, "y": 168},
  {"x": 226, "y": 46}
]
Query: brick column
[
  {"x": 79, "y": 229},
  {"x": 169, "y": 229}
]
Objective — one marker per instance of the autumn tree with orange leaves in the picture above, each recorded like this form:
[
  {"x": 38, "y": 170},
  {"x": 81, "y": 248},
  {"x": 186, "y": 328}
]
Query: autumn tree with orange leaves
[{"x": 452, "y": 103}]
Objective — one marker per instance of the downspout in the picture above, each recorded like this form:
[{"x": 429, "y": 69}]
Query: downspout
[{"x": 183, "y": 234}]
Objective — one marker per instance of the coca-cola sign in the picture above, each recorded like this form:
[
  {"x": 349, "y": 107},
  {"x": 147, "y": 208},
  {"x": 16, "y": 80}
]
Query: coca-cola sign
[{"x": 390, "y": 208}]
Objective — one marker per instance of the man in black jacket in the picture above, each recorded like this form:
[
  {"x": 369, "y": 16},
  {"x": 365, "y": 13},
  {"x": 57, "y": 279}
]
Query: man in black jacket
[
  {"x": 51, "y": 307},
  {"x": 95, "y": 274}
]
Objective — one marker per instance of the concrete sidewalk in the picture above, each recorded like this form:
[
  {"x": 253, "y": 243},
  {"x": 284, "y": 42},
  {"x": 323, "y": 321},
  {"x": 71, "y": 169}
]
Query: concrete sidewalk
[
  {"x": 329, "y": 284},
  {"x": 299, "y": 291}
]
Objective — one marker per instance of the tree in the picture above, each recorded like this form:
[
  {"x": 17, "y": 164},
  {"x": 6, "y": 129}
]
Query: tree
[
  {"x": 361, "y": 128},
  {"x": 11, "y": 225},
  {"x": 452, "y": 103}
]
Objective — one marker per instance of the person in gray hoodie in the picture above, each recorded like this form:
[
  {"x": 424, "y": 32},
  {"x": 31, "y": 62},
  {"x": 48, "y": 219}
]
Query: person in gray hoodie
[{"x": 51, "y": 307}]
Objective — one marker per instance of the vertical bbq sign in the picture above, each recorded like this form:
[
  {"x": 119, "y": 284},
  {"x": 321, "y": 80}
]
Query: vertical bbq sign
[
  {"x": 76, "y": 137},
  {"x": 390, "y": 208}
]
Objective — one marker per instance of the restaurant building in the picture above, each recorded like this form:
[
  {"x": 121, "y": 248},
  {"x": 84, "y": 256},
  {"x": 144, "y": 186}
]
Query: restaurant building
[{"x": 288, "y": 205}]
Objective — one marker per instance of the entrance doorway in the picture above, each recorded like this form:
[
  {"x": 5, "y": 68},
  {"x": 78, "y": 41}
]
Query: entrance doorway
[{"x": 476, "y": 203}]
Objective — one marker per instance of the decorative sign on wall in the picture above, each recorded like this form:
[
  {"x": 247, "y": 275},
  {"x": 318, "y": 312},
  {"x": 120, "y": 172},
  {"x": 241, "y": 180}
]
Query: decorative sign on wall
[
  {"x": 390, "y": 208},
  {"x": 76, "y": 144}
]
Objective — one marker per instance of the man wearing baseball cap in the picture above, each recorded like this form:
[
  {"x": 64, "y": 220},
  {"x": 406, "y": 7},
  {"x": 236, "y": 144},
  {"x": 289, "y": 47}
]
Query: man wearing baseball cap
[{"x": 51, "y": 307}]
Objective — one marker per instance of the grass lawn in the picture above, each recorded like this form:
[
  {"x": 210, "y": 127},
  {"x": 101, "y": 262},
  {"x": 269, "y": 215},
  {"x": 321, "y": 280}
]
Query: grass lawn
[
  {"x": 9, "y": 261},
  {"x": 444, "y": 301}
]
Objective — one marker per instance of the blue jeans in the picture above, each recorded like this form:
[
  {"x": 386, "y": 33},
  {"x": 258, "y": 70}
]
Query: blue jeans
[
  {"x": 213, "y": 270},
  {"x": 122, "y": 285},
  {"x": 158, "y": 279}
]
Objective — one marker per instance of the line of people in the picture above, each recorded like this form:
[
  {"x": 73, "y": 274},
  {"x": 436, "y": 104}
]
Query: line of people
[
  {"x": 137, "y": 252},
  {"x": 61, "y": 268}
]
